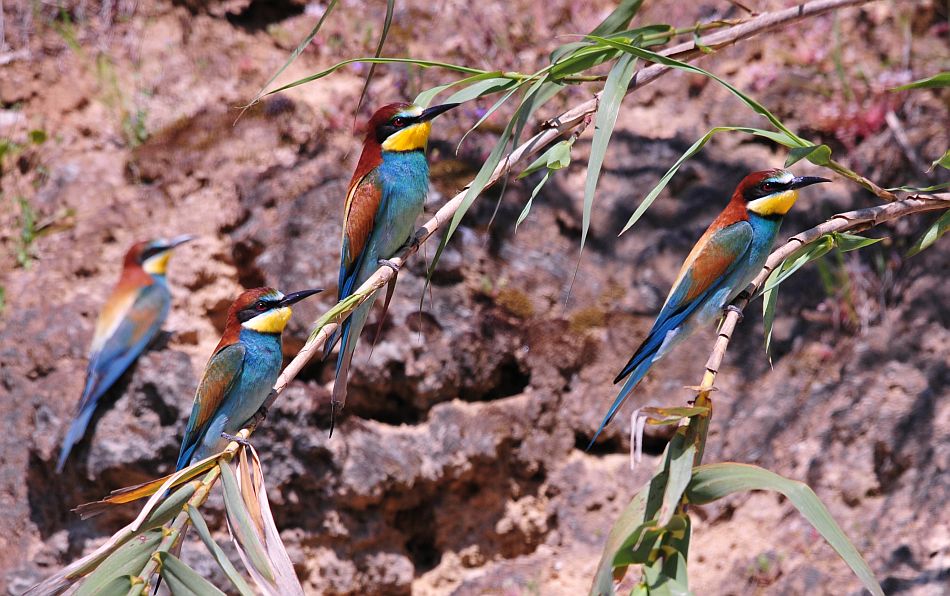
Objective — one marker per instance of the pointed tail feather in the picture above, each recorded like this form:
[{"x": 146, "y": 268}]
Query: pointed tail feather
[
  {"x": 187, "y": 452},
  {"x": 76, "y": 431},
  {"x": 338, "y": 397},
  {"x": 332, "y": 341},
  {"x": 659, "y": 335},
  {"x": 350, "y": 333},
  {"x": 390, "y": 289},
  {"x": 632, "y": 381},
  {"x": 347, "y": 346}
]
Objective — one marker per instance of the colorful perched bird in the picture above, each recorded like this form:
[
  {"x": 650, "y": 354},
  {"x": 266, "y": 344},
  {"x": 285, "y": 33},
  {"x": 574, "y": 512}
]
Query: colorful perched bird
[
  {"x": 240, "y": 373},
  {"x": 131, "y": 318},
  {"x": 386, "y": 196},
  {"x": 727, "y": 257}
]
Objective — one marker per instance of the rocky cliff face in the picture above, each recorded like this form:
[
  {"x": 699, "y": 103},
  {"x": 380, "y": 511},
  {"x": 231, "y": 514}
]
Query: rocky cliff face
[{"x": 458, "y": 465}]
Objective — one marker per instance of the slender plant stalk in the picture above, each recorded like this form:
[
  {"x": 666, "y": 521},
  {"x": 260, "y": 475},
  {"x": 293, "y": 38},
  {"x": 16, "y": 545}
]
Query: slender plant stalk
[{"x": 862, "y": 181}]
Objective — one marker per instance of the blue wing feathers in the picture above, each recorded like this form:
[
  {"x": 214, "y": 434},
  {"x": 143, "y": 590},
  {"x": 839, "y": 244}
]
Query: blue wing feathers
[
  {"x": 221, "y": 375},
  {"x": 676, "y": 313},
  {"x": 637, "y": 375},
  {"x": 112, "y": 360},
  {"x": 668, "y": 320},
  {"x": 350, "y": 278}
]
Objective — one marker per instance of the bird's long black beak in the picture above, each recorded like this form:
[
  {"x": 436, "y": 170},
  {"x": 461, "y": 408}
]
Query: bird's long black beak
[
  {"x": 803, "y": 181},
  {"x": 430, "y": 113},
  {"x": 297, "y": 296},
  {"x": 179, "y": 240}
]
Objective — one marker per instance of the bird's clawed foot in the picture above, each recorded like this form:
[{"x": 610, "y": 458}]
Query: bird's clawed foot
[
  {"x": 735, "y": 309},
  {"x": 391, "y": 264},
  {"x": 416, "y": 240},
  {"x": 239, "y": 440},
  {"x": 259, "y": 416}
]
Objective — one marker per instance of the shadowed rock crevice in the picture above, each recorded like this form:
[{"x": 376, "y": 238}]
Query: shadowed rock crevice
[
  {"x": 389, "y": 395},
  {"x": 653, "y": 443},
  {"x": 49, "y": 509},
  {"x": 259, "y": 14},
  {"x": 489, "y": 512},
  {"x": 509, "y": 377},
  {"x": 418, "y": 527}
]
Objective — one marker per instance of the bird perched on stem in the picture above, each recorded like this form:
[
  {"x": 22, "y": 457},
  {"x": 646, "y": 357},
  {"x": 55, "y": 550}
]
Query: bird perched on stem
[
  {"x": 385, "y": 197},
  {"x": 130, "y": 319},
  {"x": 726, "y": 258},
  {"x": 240, "y": 373}
]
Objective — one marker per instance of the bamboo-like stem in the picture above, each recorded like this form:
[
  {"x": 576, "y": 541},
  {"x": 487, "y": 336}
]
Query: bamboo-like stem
[
  {"x": 173, "y": 532},
  {"x": 861, "y": 180}
]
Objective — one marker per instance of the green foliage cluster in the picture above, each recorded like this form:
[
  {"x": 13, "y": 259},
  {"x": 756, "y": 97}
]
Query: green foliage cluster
[{"x": 29, "y": 228}]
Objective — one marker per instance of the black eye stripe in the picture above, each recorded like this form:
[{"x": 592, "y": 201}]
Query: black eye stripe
[
  {"x": 764, "y": 189},
  {"x": 384, "y": 130},
  {"x": 261, "y": 306},
  {"x": 150, "y": 252}
]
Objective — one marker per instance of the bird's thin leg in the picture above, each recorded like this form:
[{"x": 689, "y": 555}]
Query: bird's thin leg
[
  {"x": 735, "y": 309},
  {"x": 415, "y": 241},
  {"x": 238, "y": 440}
]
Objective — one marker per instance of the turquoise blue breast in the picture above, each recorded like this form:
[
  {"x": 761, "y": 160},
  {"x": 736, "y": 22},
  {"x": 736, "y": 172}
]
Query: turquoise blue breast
[
  {"x": 404, "y": 177},
  {"x": 262, "y": 362}
]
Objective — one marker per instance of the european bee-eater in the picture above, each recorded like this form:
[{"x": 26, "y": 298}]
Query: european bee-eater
[
  {"x": 240, "y": 373},
  {"x": 726, "y": 258},
  {"x": 386, "y": 196},
  {"x": 130, "y": 319}
]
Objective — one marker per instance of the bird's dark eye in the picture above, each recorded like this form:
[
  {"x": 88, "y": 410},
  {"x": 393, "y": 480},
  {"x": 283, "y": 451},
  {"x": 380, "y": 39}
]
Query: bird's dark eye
[
  {"x": 260, "y": 306},
  {"x": 399, "y": 122},
  {"x": 769, "y": 186}
]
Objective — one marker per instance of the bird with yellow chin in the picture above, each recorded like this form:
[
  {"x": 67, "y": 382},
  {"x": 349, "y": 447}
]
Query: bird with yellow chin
[{"x": 241, "y": 371}]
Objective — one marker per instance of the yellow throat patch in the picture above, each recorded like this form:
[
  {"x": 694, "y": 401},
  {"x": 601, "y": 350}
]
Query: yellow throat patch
[
  {"x": 777, "y": 204},
  {"x": 409, "y": 139},
  {"x": 158, "y": 264},
  {"x": 272, "y": 321}
]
